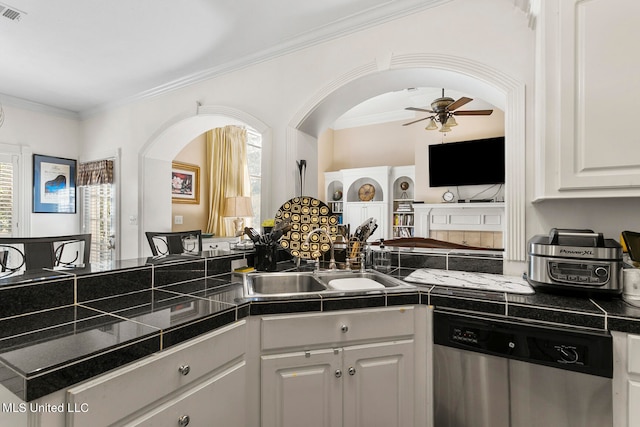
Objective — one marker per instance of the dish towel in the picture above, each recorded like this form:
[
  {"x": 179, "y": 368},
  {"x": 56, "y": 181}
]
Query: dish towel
[{"x": 465, "y": 279}]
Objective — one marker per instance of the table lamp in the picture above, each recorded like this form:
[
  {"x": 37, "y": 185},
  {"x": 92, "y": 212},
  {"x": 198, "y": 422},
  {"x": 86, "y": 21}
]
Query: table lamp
[{"x": 238, "y": 207}]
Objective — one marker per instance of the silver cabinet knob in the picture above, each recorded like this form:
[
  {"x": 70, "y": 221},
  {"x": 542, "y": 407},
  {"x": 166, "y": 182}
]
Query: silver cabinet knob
[
  {"x": 184, "y": 370},
  {"x": 344, "y": 329},
  {"x": 183, "y": 421},
  {"x": 338, "y": 373},
  {"x": 352, "y": 370}
]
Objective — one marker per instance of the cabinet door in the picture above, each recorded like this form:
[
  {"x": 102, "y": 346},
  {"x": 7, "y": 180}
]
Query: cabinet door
[
  {"x": 218, "y": 401},
  {"x": 634, "y": 403},
  {"x": 302, "y": 388},
  {"x": 378, "y": 385},
  {"x": 356, "y": 213}
]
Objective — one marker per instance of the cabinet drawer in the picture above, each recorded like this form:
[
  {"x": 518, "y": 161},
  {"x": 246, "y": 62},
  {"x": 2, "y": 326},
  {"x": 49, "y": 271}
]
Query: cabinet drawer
[
  {"x": 218, "y": 401},
  {"x": 120, "y": 393},
  {"x": 336, "y": 328}
]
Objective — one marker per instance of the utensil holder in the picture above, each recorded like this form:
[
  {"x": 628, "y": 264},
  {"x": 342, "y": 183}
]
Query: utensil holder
[
  {"x": 266, "y": 257},
  {"x": 355, "y": 249}
]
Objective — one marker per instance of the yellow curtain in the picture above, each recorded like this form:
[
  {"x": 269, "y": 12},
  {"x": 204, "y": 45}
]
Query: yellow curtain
[{"x": 228, "y": 174}]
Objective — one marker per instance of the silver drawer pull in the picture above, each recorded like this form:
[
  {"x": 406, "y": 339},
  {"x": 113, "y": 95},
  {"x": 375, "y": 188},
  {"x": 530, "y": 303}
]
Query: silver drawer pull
[
  {"x": 344, "y": 329},
  {"x": 338, "y": 373},
  {"x": 183, "y": 421},
  {"x": 184, "y": 370},
  {"x": 352, "y": 370}
]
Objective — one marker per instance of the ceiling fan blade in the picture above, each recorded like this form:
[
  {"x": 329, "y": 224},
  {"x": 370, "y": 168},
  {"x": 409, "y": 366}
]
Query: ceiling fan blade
[
  {"x": 473, "y": 113},
  {"x": 418, "y": 109},
  {"x": 416, "y": 121},
  {"x": 459, "y": 103}
]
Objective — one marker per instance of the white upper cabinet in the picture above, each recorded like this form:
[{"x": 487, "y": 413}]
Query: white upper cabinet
[{"x": 587, "y": 97}]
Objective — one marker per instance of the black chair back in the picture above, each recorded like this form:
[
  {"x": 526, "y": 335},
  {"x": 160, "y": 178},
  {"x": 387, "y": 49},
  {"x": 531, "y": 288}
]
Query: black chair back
[
  {"x": 33, "y": 253},
  {"x": 174, "y": 242}
]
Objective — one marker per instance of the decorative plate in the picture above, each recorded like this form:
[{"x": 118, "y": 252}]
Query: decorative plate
[
  {"x": 306, "y": 214},
  {"x": 367, "y": 192}
]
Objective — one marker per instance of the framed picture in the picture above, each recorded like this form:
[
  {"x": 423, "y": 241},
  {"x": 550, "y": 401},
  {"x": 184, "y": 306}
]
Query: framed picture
[
  {"x": 54, "y": 184},
  {"x": 185, "y": 183}
]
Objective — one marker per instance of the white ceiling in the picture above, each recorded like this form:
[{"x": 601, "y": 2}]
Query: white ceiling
[
  {"x": 84, "y": 55},
  {"x": 391, "y": 106}
]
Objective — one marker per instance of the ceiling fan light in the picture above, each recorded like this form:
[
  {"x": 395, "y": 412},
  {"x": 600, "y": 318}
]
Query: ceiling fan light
[
  {"x": 445, "y": 128},
  {"x": 432, "y": 125},
  {"x": 451, "y": 121}
]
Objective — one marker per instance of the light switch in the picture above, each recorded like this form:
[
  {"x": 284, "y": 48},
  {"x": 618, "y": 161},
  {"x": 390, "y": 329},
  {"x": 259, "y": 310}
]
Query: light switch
[{"x": 178, "y": 219}]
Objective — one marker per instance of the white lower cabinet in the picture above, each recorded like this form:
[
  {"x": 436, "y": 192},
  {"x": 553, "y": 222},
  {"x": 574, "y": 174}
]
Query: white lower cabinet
[
  {"x": 302, "y": 386},
  {"x": 217, "y": 401},
  {"x": 355, "y": 213},
  {"x": 348, "y": 382},
  {"x": 626, "y": 379},
  {"x": 202, "y": 381},
  {"x": 359, "y": 386}
]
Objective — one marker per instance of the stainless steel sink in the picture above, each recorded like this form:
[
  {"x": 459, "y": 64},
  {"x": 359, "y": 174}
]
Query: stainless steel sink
[
  {"x": 282, "y": 283},
  {"x": 289, "y": 284}
]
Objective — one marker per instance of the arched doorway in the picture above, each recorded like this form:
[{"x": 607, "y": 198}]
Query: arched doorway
[
  {"x": 411, "y": 70},
  {"x": 157, "y": 155}
]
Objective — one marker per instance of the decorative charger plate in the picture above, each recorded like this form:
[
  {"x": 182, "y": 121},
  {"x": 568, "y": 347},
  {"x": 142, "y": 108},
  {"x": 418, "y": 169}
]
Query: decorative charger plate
[
  {"x": 306, "y": 214},
  {"x": 366, "y": 192}
]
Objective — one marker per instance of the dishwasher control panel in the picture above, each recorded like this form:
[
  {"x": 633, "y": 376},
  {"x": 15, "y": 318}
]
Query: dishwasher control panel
[{"x": 577, "y": 350}]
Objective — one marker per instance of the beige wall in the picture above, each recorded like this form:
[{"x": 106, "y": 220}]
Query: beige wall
[
  {"x": 391, "y": 144},
  {"x": 194, "y": 216}
]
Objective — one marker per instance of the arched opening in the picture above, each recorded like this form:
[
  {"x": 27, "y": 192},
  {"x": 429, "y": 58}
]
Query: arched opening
[
  {"x": 461, "y": 74},
  {"x": 158, "y": 154}
]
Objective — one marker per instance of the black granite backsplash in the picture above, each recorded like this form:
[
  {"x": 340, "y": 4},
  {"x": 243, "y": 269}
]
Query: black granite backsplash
[
  {"x": 102, "y": 285},
  {"x": 16, "y": 300}
]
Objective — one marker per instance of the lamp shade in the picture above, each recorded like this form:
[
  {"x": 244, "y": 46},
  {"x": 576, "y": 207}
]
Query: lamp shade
[
  {"x": 238, "y": 207},
  {"x": 432, "y": 125}
]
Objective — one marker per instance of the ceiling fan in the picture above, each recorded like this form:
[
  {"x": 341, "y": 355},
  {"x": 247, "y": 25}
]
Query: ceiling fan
[{"x": 443, "y": 111}]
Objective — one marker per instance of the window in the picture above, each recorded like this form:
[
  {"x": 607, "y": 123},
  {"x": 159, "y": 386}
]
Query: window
[
  {"x": 8, "y": 213},
  {"x": 98, "y": 220},
  {"x": 254, "y": 164},
  {"x": 98, "y": 215}
]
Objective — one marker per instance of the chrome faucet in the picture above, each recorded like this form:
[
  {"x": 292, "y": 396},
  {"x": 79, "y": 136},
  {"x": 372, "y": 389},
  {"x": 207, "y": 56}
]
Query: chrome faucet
[{"x": 332, "y": 260}]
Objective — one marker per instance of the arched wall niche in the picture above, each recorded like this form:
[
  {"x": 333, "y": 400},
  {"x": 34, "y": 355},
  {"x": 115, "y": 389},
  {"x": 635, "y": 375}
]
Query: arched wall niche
[
  {"x": 396, "y": 72},
  {"x": 158, "y": 153}
]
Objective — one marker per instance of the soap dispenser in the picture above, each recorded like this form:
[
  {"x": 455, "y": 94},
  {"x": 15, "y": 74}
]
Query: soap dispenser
[{"x": 382, "y": 258}]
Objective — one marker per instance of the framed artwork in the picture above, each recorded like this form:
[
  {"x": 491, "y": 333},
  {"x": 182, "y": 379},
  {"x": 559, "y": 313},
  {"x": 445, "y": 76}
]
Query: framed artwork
[
  {"x": 54, "y": 184},
  {"x": 185, "y": 183}
]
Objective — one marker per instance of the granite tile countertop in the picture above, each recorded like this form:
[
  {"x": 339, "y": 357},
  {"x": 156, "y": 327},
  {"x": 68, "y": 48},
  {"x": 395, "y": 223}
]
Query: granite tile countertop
[{"x": 69, "y": 326}]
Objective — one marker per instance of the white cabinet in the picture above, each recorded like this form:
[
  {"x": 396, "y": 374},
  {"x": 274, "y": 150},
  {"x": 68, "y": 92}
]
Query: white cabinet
[
  {"x": 356, "y": 213},
  {"x": 587, "y": 68},
  {"x": 216, "y": 401},
  {"x": 626, "y": 379},
  {"x": 393, "y": 187},
  {"x": 302, "y": 386},
  {"x": 345, "y": 368},
  {"x": 378, "y": 386},
  {"x": 189, "y": 380}
]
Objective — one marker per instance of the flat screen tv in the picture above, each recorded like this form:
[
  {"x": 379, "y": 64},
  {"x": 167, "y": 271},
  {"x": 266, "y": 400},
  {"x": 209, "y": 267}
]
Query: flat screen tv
[{"x": 476, "y": 162}]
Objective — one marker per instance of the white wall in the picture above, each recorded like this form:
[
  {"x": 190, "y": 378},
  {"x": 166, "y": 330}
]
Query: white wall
[
  {"x": 276, "y": 91},
  {"x": 36, "y": 132}
]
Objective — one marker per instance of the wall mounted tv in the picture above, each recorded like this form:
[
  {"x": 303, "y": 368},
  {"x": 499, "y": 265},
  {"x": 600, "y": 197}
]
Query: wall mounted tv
[{"x": 476, "y": 162}]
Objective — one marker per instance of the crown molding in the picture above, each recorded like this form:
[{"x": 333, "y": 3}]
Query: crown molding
[
  {"x": 347, "y": 25},
  {"x": 24, "y": 104}
]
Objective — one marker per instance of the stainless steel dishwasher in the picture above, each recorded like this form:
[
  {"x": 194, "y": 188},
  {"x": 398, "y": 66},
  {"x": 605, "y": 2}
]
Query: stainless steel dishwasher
[{"x": 497, "y": 373}]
